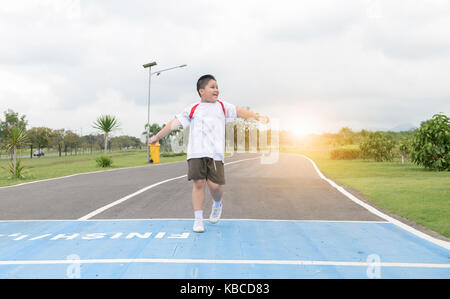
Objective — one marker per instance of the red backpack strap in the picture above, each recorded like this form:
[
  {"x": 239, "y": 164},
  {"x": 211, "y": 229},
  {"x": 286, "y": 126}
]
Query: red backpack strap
[
  {"x": 195, "y": 107},
  {"x": 193, "y": 110},
  {"x": 223, "y": 107}
]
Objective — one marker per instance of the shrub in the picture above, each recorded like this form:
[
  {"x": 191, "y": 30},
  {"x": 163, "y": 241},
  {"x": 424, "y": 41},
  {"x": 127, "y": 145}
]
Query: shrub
[
  {"x": 378, "y": 146},
  {"x": 345, "y": 153},
  {"x": 430, "y": 146},
  {"x": 172, "y": 154},
  {"x": 103, "y": 161},
  {"x": 19, "y": 169}
]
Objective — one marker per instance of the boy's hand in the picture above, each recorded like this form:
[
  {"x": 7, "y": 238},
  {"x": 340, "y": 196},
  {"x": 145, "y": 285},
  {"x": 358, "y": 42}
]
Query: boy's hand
[
  {"x": 153, "y": 140},
  {"x": 264, "y": 119}
]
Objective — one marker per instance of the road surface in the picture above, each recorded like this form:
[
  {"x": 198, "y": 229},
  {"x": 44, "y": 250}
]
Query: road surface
[{"x": 280, "y": 220}]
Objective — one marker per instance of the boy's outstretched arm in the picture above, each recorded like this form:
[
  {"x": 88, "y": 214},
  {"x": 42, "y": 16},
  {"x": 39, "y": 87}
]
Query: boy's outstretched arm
[
  {"x": 244, "y": 113},
  {"x": 171, "y": 125}
]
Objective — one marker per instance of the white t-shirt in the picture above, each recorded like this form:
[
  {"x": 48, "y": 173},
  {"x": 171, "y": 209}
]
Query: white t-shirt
[{"x": 207, "y": 128}]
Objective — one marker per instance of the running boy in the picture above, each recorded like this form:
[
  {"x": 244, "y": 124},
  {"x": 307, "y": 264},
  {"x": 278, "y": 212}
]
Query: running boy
[{"x": 205, "y": 154}]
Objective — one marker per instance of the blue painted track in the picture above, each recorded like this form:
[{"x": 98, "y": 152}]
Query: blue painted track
[{"x": 229, "y": 249}]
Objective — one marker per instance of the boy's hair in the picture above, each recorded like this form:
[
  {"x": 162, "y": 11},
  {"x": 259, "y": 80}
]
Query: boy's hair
[{"x": 203, "y": 80}]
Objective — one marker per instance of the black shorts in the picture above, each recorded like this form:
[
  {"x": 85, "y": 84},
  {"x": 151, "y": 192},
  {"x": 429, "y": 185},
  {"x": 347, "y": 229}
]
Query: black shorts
[{"x": 206, "y": 168}]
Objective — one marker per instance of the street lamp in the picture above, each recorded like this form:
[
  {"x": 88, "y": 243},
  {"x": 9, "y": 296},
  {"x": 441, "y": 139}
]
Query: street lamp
[{"x": 149, "y": 66}]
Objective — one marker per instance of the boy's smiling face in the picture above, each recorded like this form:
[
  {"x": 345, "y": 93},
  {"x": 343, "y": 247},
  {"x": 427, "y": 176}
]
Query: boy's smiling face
[{"x": 210, "y": 93}]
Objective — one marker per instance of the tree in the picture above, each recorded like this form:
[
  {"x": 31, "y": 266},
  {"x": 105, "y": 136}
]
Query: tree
[
  {"x": 405, "y": 149},
  {"x": 56, "y": 137},
  {"x": 39, "y": 136},
  {"x": 164, "y": 142},
  {"x": 378, "y": 146},
  {"x": 106, "y": 124},
  {"x": 345, "y": 136},
  {"x": 17, "y": 137},
  {"x": 71, "y": 139},
  {"x": 11, "y": 119},
  {"x": 430, "y": 146}
]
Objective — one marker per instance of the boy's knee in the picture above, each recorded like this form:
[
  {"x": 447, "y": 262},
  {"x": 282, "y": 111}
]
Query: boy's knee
[
  {"x": 213, "y": 187},
  {"x": 199, "y": 184}
]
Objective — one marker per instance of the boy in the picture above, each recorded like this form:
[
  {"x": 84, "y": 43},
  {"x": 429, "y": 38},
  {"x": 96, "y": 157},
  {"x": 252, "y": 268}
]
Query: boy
[{"x": 205, "y": 155}]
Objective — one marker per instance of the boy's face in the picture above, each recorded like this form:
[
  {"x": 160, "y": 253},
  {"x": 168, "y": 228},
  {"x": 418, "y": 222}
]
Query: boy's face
[{"x": 211, "y": 91}]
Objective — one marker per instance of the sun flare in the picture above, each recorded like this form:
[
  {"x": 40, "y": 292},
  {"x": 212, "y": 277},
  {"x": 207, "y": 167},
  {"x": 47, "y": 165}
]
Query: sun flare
[{"x": 300, "y": 130}]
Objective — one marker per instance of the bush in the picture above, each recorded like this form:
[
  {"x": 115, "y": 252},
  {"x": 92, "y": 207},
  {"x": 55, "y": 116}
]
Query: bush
[
  {"x": 345, "y": 153},
  {"x": 19, "y": 169},
  {"x": 378, "y": 146},
  {"x": 172, "y": 154},
  {"x": 103, "y": 161},
  {"x": 430, "y": 146}
]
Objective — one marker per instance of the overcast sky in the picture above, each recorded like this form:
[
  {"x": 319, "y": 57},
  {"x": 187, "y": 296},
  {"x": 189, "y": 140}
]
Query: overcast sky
[{"x": 317, "y": 66}]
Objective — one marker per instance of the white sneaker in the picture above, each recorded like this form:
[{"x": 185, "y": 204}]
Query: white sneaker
[
  {"x": 215, "y": 214},
  {"x": 198, "y": 226}
]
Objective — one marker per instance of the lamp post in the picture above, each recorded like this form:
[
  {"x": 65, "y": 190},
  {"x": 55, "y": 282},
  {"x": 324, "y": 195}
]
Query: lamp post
[{"x": 149, "y": 66}]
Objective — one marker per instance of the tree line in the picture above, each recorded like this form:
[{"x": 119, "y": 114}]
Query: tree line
[
  {"x": 427, "y": 146},
  {"x": 61, "y": 140}
]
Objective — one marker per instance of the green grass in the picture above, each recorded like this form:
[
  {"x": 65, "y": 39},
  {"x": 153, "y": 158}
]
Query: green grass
[
  {"x": 407, "y": 190},
  {"x": 51, "y": 167}
]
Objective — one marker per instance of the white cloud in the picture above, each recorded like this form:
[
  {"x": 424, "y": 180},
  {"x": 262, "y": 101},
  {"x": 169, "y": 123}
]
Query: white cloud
[{"x": 324, "y": 63}]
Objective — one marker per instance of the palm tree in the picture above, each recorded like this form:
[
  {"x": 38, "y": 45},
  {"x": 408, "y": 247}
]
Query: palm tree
[
  {"x": 17, "y": 137},
  {"x": 107, "y": 124}
]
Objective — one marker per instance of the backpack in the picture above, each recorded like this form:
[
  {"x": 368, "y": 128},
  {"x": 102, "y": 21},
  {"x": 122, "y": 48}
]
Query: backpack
[{"x": 195, "y": 107}]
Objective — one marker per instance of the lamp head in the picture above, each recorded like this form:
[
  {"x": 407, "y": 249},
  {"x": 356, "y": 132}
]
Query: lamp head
[{"x": 149, "y": 64}]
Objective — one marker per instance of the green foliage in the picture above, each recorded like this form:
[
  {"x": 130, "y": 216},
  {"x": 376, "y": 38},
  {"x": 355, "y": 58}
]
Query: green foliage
[
  {"x": 106, "y": 124},
  {"x": 405, "y": 147},
  {"x": 103, "y": 161},
  {"x": 16, "y": 171},
  {"x": 12, "y": 119},
  {"x": 430, "y": 145},
  {"x": 16, "y": 138},
  {"x": 345, "y": 153},
  {"x": 378, "y": 146},
  {"x": 164, "y": 142}
]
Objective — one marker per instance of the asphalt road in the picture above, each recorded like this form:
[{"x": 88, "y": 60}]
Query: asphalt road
[
  {"x": 140, "y": 226},
  {"x": 289, "y": 189}
]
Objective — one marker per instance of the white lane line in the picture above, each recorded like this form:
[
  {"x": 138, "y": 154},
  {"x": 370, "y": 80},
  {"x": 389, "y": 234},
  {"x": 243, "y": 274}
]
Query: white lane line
[
  {"x": 104, "y": 208},
  {"x": 371, "y": 209},
  {"x": 212, "y": 261},
  {"x": 178, "y": 219},
  {"x": 84, "y": 173}
]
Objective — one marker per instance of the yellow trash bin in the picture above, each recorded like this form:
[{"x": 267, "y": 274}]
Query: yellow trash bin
[{"x": 154, "y": 152}]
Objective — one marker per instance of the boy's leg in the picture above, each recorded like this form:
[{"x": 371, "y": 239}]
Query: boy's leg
[
  {"x": 215, "y": 190},
  {"x": 216, "y": 193},
  {"x": 198, "y": 194}
]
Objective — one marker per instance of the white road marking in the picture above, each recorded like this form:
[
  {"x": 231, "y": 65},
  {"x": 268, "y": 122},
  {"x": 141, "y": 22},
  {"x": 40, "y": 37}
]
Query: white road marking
[
  {"x": 371, "y": 209},
  {"x": 209, "y": 261},
  {"x": 85, "y": 173},
  {"x": 178, "y": 219},
  {"x": 104, "y": 208}
]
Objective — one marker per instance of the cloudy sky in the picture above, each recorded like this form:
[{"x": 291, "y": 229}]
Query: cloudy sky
[{"x": 316, "y": 66}]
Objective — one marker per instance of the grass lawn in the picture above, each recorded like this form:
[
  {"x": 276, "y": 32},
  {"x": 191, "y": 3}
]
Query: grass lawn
[
  {"x": 406, "y": 190},
  {"x": 51, "y": 167}
]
